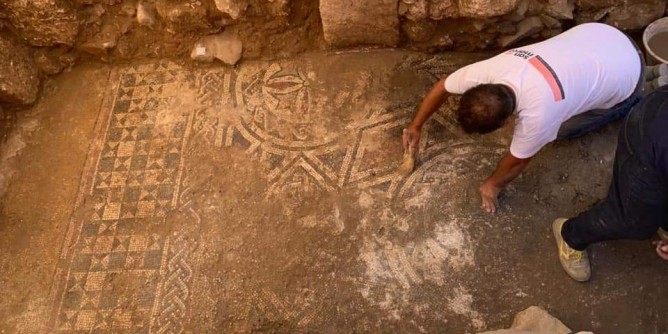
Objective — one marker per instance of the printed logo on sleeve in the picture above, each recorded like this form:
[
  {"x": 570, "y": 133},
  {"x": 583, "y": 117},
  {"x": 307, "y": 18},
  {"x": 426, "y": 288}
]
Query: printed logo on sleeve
[{"x": 544, "y": 69}]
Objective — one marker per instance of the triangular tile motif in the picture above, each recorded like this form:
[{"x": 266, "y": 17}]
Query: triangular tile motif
[
  {"x": 99, "y": 262},
  {"x": 151, "y": 104},
  {"x": 128, "y": 210},
  {"x": 87, "y": 245},
  {"x": 382, "y": 187},
  {"x": 148, "y": 193},
  {"x": 134, "y": 260},
  {"x": 134, "y": 105},
  {"x": 334, "y": 159},
  {"x": 156, "y": 90},
  {"x": 121, "y": 243},
  {"x": 107, "y": 228},
  {"x": 103, "y": 320},
  {"x": 125, "y": 93},
  {"x": 77, "y": 282},
  {"x": 67, "y": 321},
  {"x": 97, "y": 215},
  {"x": 155, "y": 163},
  {"x": 299, "y": 177},
  {"x": 155, "y": 242},
  {"x": 90, "y": 300},
  {"x": 166, "y": 176},
  {"x": 110, "y": 149},
  {"x": 135, "y": 179},
  {"x": 122, "y": 164},
  {"x": 162, "y": 207},
  {"x": 129, "y": 133}
]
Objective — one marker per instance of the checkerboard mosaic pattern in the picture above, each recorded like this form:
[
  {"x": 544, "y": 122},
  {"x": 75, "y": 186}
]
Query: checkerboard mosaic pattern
[{"x": 134, "y": 184}]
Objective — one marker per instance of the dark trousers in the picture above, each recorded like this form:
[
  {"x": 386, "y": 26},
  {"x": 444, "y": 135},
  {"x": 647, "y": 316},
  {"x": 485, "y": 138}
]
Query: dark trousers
[{"x": 637, "y": 201}]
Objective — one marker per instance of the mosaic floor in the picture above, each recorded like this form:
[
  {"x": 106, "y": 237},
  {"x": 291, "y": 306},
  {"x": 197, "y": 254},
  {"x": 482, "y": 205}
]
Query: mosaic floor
[{"x": 264, "y": 198}]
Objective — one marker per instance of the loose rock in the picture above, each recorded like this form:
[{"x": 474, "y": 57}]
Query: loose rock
[
  {"x": 537, "y": 319},
  {"x": 526, "y": 28},
  {"x": 19, "y": 81},
  {"x": 419, "y": 10},
  {"x": 43, "y": 22},
  {"x": 550, "y": 22},
  {"x": 226, "y": 47},
  {"x": 106, "y": 40},
  {"x": 486, "y": 8},
  {"x": 233, "y": 8},
  {"x": 439, "y": 9},
  {"x": 145, "y": 14},
  {"x": 598, "y": 4},
  {"x": 636, "y": 15},
  {"x": 560, "y": 9},
  {"x": 52, "y": 62},
  {"x": 182, "y": 15},
  {"x": 354, "y": 22},
  {"x": 419, "y": 31}
]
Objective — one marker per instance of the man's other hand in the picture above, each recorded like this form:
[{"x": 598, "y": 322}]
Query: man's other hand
[
  {"x": 662, "y": 249},
  {"x": 489, "y": 192}
]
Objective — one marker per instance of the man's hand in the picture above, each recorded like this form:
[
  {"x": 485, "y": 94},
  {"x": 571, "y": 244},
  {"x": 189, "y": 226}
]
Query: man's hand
[
  {"x": 508, "y": 169},
  {"x": 411, "y": 137},
  {"x": 434, "y": 99},
  {"x": 662, "y": 249},
  {"x": 489, "y": 192}
]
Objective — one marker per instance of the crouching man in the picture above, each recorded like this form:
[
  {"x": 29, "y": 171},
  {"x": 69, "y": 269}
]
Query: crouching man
[
  {"x": 560, "y": 88},
  {"x": 637, "y": 201}
]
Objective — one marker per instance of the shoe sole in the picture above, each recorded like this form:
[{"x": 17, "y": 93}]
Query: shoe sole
[{"x": 556, "y": 230}]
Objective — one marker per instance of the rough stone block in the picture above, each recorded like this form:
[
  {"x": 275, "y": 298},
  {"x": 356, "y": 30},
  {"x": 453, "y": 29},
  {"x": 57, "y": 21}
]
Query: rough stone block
[
  {"x": 598, "y": 4},
  {"x": 486, "y": 8},
  {"x": 560, "y": 9},
  {"x": 226, "y": 47},
  {"x": 107, "y": 38},
  {"x": 233, "y": 8},
  {"x": 19, "y": 81},
  {"x": 636, "y": 15},
  {"x": 145, "y": 14},
  {"x": 526, "y": 28},
  {"x": 536, "y": 319},
  {"x": 354, "y": 22},
  {"x": 182, "y": 15},
  {"x": 419, "y": 31},
  {"x": 53, "y": 61},
  {"x": 43, "y": 22}
]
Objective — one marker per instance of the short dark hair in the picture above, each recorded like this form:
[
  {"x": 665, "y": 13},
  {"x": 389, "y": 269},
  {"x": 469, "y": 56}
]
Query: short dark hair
[{"x": 485, "y": 108}]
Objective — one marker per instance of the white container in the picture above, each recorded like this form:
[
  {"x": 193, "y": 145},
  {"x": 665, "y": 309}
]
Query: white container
[{"x": 654, "y": 28}]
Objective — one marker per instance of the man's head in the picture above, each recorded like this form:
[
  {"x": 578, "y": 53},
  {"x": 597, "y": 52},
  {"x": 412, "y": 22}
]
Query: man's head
[{"x": 485, "y": 108}]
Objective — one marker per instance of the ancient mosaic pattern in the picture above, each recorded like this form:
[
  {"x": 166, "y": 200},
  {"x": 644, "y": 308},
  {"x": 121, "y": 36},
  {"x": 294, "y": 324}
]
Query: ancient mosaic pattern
[
  {"x": 134, "y": 181},
  {"x": 135, "y": 178}
]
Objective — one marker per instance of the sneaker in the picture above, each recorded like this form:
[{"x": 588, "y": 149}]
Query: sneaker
[
  {"x": 663, "y": 234},
  {"x": 575, "y": 262}
]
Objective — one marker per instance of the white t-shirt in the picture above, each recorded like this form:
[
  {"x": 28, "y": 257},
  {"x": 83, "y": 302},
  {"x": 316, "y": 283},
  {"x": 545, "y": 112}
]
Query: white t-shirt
[{"x": 591, "y": 66}]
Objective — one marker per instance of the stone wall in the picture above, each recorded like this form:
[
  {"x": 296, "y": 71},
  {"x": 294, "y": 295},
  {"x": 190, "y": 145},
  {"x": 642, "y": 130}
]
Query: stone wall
[{"x": 48, "y": 36}]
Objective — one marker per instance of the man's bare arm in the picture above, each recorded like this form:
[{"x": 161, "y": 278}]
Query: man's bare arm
[
  {"x": 508, "y": 169},
  {"x": 430, "y": 104}
]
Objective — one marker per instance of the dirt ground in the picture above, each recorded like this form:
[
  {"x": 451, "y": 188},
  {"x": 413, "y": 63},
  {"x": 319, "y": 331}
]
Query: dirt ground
[{"x": 162, "y": 198}]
